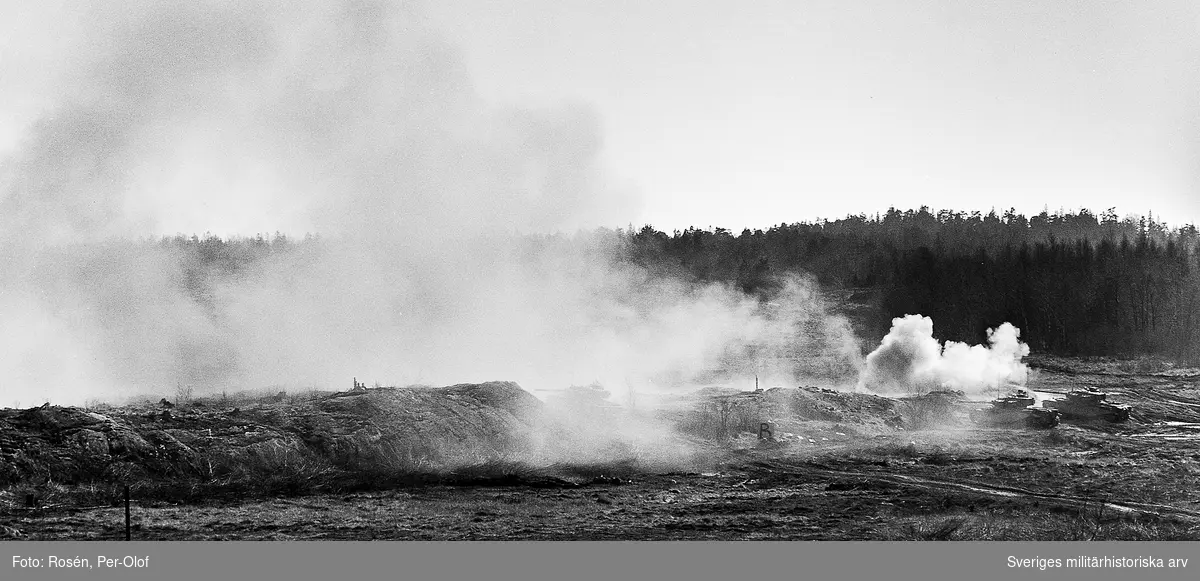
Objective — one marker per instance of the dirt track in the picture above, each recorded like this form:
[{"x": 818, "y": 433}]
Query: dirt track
[
  {"x": 881, "y": 492},
  {"x": 937, "y": 486},
  {"x": 1074, "y": 482}
]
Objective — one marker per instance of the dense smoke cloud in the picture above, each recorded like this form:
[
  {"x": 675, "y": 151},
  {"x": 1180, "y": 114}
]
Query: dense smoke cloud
[
  {"x": 350, "y": 118},
  {"x": 344, "y": 117},
  {"x": 910, "y": 360}
]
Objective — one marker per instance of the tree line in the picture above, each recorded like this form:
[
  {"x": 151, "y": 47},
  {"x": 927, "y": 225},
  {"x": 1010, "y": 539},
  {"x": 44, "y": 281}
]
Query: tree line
[{"x": 1075, "y": 283}]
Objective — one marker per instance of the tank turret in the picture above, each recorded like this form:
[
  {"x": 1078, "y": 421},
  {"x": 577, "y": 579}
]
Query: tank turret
[
  {"x": 1016, "y": 409},
  {"x": 1088, "y": 405}
]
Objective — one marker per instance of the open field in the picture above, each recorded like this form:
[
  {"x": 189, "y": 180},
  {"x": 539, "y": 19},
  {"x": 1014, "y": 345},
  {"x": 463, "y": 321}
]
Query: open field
[{"x": 844, "y": 466}]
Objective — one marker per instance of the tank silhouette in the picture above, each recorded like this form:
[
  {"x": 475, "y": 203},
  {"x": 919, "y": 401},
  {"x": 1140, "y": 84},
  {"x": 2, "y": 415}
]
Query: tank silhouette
[
  {"x": 1016, "y": 409},
  {"x": 1089, "y": 404}
]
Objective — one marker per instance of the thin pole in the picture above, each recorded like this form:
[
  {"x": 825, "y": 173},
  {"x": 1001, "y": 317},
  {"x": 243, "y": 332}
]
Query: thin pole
[{"x": 127, "y": 537}]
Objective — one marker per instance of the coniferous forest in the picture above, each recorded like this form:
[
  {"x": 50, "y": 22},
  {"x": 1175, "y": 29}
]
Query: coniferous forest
[{"x": 1074, "y": 283}]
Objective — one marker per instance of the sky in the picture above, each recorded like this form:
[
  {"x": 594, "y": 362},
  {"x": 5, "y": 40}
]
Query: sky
[
  {"x": 735, "y": 114},
  {"x": 748, "y": 114}
]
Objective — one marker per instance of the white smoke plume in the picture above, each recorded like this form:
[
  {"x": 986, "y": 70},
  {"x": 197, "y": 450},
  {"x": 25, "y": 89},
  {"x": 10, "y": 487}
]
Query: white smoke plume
[
  {"x": 911, "y": 360},
  {"x": 353, "y": 119}
]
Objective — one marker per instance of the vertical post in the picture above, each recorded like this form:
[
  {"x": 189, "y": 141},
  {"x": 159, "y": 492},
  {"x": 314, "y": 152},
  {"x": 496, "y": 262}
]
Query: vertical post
[{"x": 127, "y": 536}]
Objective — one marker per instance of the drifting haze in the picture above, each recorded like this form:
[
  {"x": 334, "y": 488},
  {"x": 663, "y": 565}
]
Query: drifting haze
[
  {"x": 344, "y": 117},
  {"x": 348, "y": 118},
  {"x": 910, "y": 360}
]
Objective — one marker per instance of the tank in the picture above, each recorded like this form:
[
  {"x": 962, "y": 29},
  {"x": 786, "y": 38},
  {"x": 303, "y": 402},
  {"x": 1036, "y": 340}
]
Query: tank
[
  {"x": 1016, "y": 409},
  {"x": 1088, "y": 405}
]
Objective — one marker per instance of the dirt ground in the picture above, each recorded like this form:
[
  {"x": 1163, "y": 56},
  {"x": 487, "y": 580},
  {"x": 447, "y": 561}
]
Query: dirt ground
[{"x": 1134, "y": 481}]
